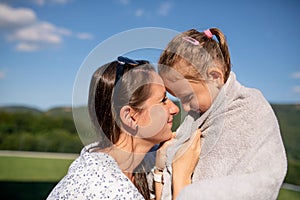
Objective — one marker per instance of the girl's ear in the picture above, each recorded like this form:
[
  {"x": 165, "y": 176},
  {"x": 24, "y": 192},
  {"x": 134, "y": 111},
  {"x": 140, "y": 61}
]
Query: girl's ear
[
  {"x": 216, "y": 75},
  {"x": 126, "y": 114}
]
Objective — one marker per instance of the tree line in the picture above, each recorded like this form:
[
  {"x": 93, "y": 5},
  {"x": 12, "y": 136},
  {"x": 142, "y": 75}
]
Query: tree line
[{"x": 29, "y": 131}]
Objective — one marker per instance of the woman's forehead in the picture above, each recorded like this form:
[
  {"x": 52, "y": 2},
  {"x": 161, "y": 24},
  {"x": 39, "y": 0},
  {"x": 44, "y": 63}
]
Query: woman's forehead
[{"x": 157, "y": 79}]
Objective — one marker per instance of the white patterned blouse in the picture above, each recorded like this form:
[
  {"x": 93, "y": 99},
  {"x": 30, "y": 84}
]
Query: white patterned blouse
[{"x": 94, "y": 175}]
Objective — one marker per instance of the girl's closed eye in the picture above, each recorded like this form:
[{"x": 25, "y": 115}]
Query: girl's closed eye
[{"x": 187, "y": 98}]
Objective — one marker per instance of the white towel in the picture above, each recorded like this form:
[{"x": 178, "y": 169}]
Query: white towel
[{"x": 242, "y": 154}]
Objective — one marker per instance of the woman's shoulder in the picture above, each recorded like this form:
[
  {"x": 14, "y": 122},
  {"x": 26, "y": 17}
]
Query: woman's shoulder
[
  {"x": 96, "y": 166},
  {"x": 95, "y": 175}
]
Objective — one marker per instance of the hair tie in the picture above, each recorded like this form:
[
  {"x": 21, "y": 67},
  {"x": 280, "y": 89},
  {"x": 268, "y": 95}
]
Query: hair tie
[
  {"x": 191, "y": 40},
  {"x": 208, "y": 33}
]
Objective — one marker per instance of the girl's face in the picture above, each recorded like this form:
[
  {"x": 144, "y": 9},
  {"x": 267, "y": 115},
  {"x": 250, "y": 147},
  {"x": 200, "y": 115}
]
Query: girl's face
[
  {"x": 193, "y": 95},
  {"x": 155, "y": 120}
]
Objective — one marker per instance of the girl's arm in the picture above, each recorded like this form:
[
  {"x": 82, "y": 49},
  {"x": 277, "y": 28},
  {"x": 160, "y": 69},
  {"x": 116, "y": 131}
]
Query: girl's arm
[{"x": 183, "y": 165}]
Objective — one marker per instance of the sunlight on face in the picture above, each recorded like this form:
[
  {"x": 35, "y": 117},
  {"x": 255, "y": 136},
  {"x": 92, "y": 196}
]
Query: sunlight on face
[
  {"x": 193, "y": 95},
  {"x": 156, "y": 119}
]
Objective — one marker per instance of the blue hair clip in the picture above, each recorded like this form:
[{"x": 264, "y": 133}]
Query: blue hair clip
[{"x": 126, "y": 61}]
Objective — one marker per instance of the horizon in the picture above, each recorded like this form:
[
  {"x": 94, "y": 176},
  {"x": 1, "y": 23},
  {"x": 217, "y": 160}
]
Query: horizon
[{"x": 80, "y": 106}]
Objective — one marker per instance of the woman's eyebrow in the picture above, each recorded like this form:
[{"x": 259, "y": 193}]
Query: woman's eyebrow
[{"x": 163, "y": 95}]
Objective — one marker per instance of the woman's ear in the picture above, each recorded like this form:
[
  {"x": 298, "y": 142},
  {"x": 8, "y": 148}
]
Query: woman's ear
[
  {"x": 126, "y": 114},
  {"x": 216, "y": 75}
]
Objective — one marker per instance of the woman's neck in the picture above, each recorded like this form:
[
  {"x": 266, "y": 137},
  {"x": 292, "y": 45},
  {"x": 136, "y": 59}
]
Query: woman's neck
[{"x": 129, "y": 152}]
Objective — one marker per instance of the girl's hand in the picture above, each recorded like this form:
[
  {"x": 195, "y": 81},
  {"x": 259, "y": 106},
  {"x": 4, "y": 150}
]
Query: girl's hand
[{"x": 184, "y": 163}]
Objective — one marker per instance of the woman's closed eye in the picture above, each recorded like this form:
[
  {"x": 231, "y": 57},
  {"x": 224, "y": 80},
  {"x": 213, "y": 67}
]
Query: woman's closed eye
[{"x": 164, "y": 100}]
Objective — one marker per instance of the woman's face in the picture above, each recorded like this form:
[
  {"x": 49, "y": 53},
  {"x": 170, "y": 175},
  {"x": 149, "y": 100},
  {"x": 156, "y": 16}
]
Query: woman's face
[{"x": 156, "y": 117}]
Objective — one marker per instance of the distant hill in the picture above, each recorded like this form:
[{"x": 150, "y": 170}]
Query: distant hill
[
  {"x": 60, "y": 112},
  {"x": 289, "y": 121},
  {"x": 53, "y": 112},
  {"x": 21, "y": 109}
]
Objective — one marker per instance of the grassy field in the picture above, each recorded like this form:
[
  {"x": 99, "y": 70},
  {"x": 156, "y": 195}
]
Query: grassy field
[
  {"x": 32, "y": 169},
  {"x": 288, "y": 195},
  {"x": 34, "y": 177}
]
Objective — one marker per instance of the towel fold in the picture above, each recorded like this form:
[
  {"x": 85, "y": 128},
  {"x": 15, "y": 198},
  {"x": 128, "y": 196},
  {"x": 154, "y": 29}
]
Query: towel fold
[{"x": 242, "y": 154}]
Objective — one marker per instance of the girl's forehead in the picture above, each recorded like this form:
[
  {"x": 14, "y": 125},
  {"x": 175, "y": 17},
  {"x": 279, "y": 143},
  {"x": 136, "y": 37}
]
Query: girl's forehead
[
  {"x": 180, "y": 86},
  {"x": 171, "y": 74}
]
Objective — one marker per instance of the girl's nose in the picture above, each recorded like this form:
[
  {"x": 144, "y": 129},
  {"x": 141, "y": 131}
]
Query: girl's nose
[{"x": 186, "y": 107}]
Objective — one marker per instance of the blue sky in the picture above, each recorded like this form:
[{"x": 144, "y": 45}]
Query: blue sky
[{"x": 43, "y": 43}]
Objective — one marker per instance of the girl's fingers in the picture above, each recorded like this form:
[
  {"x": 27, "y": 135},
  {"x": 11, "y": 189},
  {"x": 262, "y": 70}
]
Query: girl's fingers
[
  {"x": 196, "y": 139},
  {"x": 173, "y": 134}
]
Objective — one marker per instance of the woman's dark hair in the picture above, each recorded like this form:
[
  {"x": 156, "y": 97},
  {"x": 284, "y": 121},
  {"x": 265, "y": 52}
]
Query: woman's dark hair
[{"x": 106, "y": 98}]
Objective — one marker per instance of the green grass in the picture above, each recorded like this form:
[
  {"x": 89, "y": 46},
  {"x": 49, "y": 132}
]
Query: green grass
[
  {"x": 32, "y": 169},
  {"x": 288, "y": 195},
  {"x": 31, "y": 174},
  {"x": 293, "y": 173}
]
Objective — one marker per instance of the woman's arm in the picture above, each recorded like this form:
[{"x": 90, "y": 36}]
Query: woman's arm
[{"x": 160, "y": 164}]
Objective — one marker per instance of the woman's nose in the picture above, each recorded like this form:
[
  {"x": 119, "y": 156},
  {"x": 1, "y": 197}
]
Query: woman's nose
[{"x": 173, "y": 108}]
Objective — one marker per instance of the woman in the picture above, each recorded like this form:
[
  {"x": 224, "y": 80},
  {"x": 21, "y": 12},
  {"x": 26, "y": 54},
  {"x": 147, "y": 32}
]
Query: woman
[{"x": 130, "y": 111}]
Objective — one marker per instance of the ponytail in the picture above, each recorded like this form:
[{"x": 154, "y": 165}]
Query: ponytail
[{"x": 224, "y": 49}]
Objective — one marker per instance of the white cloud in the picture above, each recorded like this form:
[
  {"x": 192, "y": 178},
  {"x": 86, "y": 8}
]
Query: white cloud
[
  {"x": 296, "y": 75},
  {"x": 139, "y": 12},
  {"x": 44, "y": 2},
  {"x": 38, "y": 2},
  {"x": 31, "y": 34},
  {"x": 40, "y": 32},
  {"x": 63, "y": 31},
  {"x": 84, "y": 36},
  {"x": 15, "y": 17},
  {"x": 25, "y": 46},
  {"x": 164, "y": 8},
  {"x": 60, "y": 1},
  {"x": 2, "y": 75},
  {"x": 124, "y": 2},
  {"x": 296, "y": 89}
]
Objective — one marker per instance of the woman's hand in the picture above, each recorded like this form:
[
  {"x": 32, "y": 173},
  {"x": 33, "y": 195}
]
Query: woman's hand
[{"x": 184, "y": 163}]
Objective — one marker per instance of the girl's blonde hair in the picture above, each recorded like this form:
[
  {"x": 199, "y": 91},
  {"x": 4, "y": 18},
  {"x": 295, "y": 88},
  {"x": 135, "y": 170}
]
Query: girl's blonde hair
[{"x": 198, "y": 51}]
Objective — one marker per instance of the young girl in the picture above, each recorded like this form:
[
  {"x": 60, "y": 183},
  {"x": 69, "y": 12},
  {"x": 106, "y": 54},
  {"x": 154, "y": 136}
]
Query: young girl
[
  {"x": 242, "y": 155},
  {"x": 130, "y": 111}
]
